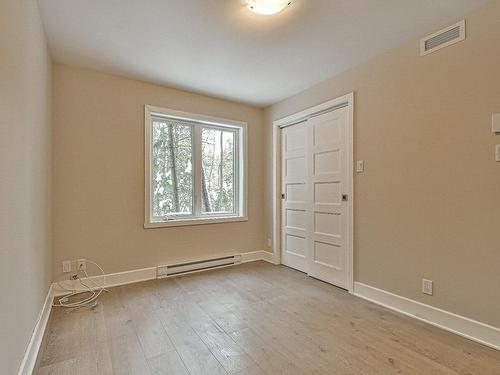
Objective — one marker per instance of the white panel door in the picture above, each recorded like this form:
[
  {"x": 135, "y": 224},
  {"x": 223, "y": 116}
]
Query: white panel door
[
  {"x": 294, "y": 196},
  {"x": 328, "y": 179},
  {"x": 315, "y": 176}
]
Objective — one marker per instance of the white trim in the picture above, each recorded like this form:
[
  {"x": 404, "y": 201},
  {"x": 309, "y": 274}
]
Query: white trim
[
  {"x": 241, "y": 148},
  {"x": 304, "y": 114},
  {"x": 269, "y": 257},
  {"x": 197, "y": 221},
  {"x": 30, "y": 356},
  {"x": 145, "y": 274},
  {"x": 186, "y": 116},
  {"x": 350, "y": 236},
  {"x": 110, "y": 279},
  {"x": 346, "y": 100},
  {"x": 258, "y": 255},
  {"x": 471, "y": 329}
]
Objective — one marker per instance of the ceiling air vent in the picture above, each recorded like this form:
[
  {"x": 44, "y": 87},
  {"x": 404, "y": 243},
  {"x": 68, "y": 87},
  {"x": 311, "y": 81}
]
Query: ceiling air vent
[{"x": 443, "y": 38}]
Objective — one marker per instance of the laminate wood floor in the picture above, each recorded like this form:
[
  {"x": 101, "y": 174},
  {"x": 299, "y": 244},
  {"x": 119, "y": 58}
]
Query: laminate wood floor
[{"x": 250, "y": 319}]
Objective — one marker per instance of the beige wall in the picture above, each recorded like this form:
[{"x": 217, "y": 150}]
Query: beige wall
[
  {"x": 428, "y": 203},
  {"x": 99, "y": 175},
  {"x": 25, "y": 136}
]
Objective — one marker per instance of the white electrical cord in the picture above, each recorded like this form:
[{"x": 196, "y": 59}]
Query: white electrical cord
[{"x": 94, "y": 291}]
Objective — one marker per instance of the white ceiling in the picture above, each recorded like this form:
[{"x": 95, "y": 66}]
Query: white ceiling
[{"x": 219, "y": 48}]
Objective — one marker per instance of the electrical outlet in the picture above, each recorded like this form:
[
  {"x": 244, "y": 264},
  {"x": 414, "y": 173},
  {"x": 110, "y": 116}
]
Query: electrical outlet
[
  {"x": 269, "y": 243},
  {"x": 497, "y": 153},
  {"x": 427, "y": 287},
  {"x": 81, "y": 264},
  {"x": 66, "y": 265},
  {"x": 360, "y": 166}
]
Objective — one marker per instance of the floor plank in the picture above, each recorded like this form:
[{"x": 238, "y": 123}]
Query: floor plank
[
  {"x": 168, "y": 364},
  {"x": 252, "y": 319}
]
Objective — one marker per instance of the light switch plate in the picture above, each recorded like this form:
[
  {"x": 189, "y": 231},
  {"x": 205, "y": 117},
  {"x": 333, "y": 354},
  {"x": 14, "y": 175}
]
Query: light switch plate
[
  {"x": 497, "y": 152},
  {"x": 360, "y": 165}
]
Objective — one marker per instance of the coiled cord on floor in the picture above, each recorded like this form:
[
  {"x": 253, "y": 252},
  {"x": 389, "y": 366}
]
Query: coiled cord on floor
[{"x": 94, "y": 291}]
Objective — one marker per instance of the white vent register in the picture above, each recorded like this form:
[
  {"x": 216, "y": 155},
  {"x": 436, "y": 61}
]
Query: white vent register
[{"x": 443, "y": 38}]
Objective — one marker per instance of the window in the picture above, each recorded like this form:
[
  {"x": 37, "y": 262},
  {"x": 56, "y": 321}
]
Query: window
[{"x": 195, "y": 169}]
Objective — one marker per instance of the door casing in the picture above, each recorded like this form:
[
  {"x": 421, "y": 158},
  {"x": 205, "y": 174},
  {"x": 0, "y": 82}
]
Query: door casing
[{"x": 343, "y": 101}]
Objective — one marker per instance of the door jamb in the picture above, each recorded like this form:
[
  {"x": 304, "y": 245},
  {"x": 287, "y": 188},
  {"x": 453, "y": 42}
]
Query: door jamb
[{"x": 348, "y": 101}]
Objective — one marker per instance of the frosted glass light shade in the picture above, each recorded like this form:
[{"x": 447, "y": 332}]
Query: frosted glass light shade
[{"x": 268, "y": 7}]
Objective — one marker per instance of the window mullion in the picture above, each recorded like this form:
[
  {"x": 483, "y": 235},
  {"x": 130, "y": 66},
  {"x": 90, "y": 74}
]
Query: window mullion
[
  {"x": 236, "y": 173},
  {"x": 197, "y": 170}
]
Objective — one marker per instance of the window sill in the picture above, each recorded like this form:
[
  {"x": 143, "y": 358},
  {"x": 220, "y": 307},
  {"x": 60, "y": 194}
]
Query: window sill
[{"x": 198, "y": 221}]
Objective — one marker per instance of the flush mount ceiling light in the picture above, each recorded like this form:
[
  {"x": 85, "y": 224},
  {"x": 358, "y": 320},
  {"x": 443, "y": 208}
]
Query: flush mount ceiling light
[{"x": 268, "y": 7}]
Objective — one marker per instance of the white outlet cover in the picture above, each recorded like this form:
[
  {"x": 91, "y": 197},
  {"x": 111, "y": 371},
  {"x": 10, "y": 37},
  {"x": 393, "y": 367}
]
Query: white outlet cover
[
  {"x": 497, "y": 152},
  {"x": 66, "y": 266},
  {"x": 81, "y": 264},
  {"x": 427, "y": 287}
]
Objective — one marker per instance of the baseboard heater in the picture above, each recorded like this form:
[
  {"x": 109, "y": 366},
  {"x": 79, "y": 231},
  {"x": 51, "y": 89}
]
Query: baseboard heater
[{"x": 196, "y": 266}]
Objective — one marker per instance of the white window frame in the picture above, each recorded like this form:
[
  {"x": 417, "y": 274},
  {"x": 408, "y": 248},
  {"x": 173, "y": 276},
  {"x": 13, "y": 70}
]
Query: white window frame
[{"x": 240, "y": 204}]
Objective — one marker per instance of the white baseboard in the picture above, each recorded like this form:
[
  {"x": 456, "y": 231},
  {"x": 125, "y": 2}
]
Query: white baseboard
[
  {"x": 471, "y": 329},
  {"x": 110, "y": 280},
  {"x": 269, "y": 257},
  {"x": 256, "y": 256},
  {"x": 144, "y": 274},
  {"x": 30, "y": 356}
]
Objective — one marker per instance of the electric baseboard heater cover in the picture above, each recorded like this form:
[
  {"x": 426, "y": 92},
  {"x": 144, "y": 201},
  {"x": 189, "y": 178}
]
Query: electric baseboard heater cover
[{"x": 198, "y": 265}]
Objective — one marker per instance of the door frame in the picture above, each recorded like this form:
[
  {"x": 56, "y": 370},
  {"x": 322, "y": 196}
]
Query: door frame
[{"x": 343, "y": 101}]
